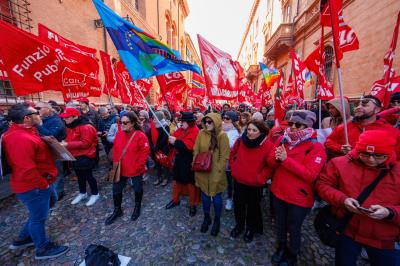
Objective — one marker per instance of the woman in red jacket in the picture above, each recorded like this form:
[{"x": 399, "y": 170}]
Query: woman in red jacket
[
  {"x": 133, "y": 164},
  {"x": 296, "y": 163},
  {"x": 376, "y": 226},
  {"x": 250, "y": 171},
  {"x": 81, "y": 142}
]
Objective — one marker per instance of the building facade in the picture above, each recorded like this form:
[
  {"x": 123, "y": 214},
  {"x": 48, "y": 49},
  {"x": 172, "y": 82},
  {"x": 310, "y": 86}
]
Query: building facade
[
  {"x": 79, "y": 22},
  {"x": 295, "y": 24}
]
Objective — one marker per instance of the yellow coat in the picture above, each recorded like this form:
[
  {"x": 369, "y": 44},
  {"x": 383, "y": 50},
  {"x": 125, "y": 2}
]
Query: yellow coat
[{"x": 214, "y": 182}]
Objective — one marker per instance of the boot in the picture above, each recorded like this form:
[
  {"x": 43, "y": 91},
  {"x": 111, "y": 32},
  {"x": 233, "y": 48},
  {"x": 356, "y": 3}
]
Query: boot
[
  {"x": 138, "y": 203},
  {"x": 290, "y": 259},
  {"x": 157, "y": 182},
  {"x": 215, "y": 227},
  {"x": 279, "y": 254},
  {"x": 206, "y": 223},
  {"x": 117, "y": 209}
]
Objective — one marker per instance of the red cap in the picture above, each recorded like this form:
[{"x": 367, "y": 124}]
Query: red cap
[
  {"x": 83, "y": 99},
  {"x": 376, "y": 141},
  {"x": 70, "y": 111}
]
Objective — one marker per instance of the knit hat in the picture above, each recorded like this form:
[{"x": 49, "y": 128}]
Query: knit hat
[
  {"x": 232, "y": 115},
  {"x": 376, "y": 141},
  {"x": 304, "y": 117},
  {"x": 160, "y": 115},
  {"x": 167, "y": 114},
  {"x": 145, "y": 114}
]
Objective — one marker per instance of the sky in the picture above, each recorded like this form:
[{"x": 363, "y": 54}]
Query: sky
[{"x": 221, "y": 22}]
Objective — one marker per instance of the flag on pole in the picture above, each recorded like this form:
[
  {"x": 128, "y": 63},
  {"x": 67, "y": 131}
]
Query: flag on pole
[
  {"x": 198, "y": 86},
  {"x": 279, "y": 102},
  {"x": 142, "y": 54},
  {"x": 271, "y": 75},
  {"x": 110, "y": 83},
  {"x": 300, "y": 73}
]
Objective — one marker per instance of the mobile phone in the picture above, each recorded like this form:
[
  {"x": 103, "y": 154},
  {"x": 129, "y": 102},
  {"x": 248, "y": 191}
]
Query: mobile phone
[{"x": 365, "y": 210}]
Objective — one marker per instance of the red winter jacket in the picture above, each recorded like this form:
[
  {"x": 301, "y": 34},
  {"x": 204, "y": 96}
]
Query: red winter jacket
[
  {"x": 249, "y": 165},
  {"x": 135, "y": 158},
  {"x": 82, "y": 139},
  {"x": 336, "y": 139},
  {"x": 293, "y": 179},
  {"x": 29, "y": 158},
  {"x": 345, "y": 177}
]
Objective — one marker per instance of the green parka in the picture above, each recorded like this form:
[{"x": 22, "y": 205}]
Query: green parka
[{"x": 214, "y": 182}]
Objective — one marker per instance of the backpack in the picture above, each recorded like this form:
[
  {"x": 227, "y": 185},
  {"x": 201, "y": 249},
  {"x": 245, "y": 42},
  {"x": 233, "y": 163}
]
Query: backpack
[{"x": 98, "y": 255}]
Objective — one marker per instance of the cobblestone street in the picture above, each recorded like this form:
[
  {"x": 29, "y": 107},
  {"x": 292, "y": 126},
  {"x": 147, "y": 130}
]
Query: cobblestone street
[{"x": 159, "y": 237}]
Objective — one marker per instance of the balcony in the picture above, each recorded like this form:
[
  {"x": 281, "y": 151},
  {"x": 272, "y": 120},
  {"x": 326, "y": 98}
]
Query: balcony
[{"x": 279, "y": 41}]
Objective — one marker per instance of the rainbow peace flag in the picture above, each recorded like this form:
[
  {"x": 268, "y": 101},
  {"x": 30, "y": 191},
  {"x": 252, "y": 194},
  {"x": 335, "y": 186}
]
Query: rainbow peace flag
[{"x": 271, "y": 75}]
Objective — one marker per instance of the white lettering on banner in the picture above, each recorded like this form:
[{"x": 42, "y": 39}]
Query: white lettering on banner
[
  {"x": 52, "y": 35},
  {"x": 228, "y": 74},
  {"x": 29, "y": 60},
  {"x": 3, "y": 74},
  {"x": 219, "y": 92},
  {"x": 72, "y": 78},
  {"x": 75, "y": 95},
  {"x": 50, "y": 69}
]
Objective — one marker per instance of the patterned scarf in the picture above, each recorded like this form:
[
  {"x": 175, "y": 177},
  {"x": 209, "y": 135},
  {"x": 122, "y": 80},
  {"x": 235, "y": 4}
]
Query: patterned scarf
[{"x": 295, "y": 138}]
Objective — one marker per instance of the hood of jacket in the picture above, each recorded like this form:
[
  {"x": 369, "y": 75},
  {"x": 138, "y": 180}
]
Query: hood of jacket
[
  {"x": 216, "y": 118},
  {"x": 338, "y": 106}
]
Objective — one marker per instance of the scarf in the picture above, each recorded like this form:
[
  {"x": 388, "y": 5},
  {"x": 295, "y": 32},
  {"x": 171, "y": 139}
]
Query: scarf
[
  {"x": 295, "y": 138},
  {"x": 164, "y": 123},
  {"x": 227, "y": 127},
  {"x": 252, "y": 143}
]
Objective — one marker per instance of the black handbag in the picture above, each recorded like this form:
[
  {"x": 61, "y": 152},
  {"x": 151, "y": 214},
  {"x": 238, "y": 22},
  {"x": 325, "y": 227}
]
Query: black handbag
[
  {"x": 98, "y": 255},
  {"x": 329, "y": 228}
]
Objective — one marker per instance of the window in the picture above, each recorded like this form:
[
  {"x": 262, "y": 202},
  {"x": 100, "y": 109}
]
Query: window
[
  {"x": 16, "y": 12},
  {"x": 287, "y": 13},
  {"x": 136, "y": 4},
  {"x": 328, "y": 62}
]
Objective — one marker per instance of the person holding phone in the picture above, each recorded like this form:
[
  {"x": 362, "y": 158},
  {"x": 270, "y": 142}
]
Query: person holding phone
[{"x": 375, "y": 223}]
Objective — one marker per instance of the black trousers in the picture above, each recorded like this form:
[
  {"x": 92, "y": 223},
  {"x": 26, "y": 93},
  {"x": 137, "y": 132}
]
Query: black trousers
[
  {"x": 289, "y": 218},
  {"x": 86, "y": 175},
  {"x": 247, "y": 208},
  {"x": 137, "y": 184},
  {"x": 230, "y": 183}
]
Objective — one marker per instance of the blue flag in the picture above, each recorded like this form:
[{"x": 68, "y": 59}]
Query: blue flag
[{"x": 142, "y": 54}]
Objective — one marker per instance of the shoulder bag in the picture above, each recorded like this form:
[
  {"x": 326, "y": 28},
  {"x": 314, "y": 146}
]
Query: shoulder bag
[
  {"x": 115, "y": 173},
  {"x": 329, "y": 228}
]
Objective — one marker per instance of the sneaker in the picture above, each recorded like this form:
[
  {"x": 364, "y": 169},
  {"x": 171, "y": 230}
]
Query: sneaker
[
  {"x": 51, "y": 251},
  {"x": 78, "y": 198},
  {"x": 364, "y": 254},
  {"x": 92, "y": 200},
  {"x": 228, "y": 205},
  {"x": 164, "y": 182},
  {"x": 20, "y": 244},
  {"x": 145, "y": 177}
]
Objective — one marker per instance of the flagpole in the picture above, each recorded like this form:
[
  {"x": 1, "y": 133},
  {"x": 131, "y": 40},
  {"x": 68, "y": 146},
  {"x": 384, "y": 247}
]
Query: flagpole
[
  {"x": 151, "y": 110},
  {"x": 339, "y": 71}
]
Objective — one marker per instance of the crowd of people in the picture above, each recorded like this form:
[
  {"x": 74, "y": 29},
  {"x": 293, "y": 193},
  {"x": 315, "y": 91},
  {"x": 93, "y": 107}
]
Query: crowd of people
[{"x": 230, "y": 155}]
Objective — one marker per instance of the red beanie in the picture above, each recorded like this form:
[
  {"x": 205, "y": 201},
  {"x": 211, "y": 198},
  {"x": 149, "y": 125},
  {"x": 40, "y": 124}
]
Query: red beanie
[{"x": 376, "y": 141}]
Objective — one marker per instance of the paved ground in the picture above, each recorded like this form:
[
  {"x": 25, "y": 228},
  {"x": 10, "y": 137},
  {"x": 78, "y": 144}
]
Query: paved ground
[{"x": 158, "y": 237}]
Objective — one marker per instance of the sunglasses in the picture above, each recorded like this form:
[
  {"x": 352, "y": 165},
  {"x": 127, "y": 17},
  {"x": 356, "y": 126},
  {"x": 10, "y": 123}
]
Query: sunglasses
[
  {"x": 141, "y": 118},
  {"x": 125, "y": 122},
  {"x": 209, "y": 122},
  {"x": 33, "y": 113},
  {"x": 297, "y": 125},
  {"x": 226, "y": 118},
  {"x": 376, "y": 156}
]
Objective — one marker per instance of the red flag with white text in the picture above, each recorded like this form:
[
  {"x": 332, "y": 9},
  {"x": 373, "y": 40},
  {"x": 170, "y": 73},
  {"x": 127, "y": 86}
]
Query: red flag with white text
[
  {"x": 110, "y": 76},
  {"x": 300, "y": 72},
  {"x": 220, "y": 72}
]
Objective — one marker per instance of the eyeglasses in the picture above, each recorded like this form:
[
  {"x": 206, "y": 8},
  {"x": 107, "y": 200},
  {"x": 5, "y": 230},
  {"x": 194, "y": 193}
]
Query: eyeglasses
[
  {"x": 376, "y": 156},
  {"x": 209, "y": 122},
  {"x": 226, "y": 118},
  {"x": 125, "y": 122},
  {"x": 33, "y": 113},
  {"x": 141, "y": 118},
  {"x": 297, "y": 125}
]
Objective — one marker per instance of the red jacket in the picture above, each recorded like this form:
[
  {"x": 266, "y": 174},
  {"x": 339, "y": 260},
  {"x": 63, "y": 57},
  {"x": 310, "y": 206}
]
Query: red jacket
[
  {"x": 29, "y": 158},
  {"x": 293, "y": 179},
  {"x": 336, "y": 139},
  {"x": 82, "y": 140},
  {"x": 345, "y": 177},
  {"x": 249, "y": 165},
  {"x": 134, "y": 161}
]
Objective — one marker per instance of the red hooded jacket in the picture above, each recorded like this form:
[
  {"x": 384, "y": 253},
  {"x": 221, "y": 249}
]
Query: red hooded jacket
[
  {"x": 135, "y": 158},
  {"x": 293, "y": 179},
  {"x": 82, "y": 140},
  {"x": 336, "y": 139},
  {"x": 29, "y": 158},
  {"x": 249, "y": 165},
  {"x": 345, "y": 177}
]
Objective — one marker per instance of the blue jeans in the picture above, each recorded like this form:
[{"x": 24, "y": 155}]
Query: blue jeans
[
  {"x": 347, "y": 252},
  {"x": 217, "y": 202},
  {"x": 37, "y": 202}
]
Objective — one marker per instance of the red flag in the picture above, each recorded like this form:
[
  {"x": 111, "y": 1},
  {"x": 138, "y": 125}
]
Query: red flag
[
  {"x": 279, "y": 102},
  {"x": 220, "y": 72},
  {"x": 300, "y": 72},
  {"x": 173, "y": 82},
  {"x": 383, "y": 89},
  {"x": 33, "y": 65},
  {"x": 110, "y": 84},
  {"x": 239, "y": 70},
  {"x": 198, "y": 86},
  {"x": 3, "y": 71}
]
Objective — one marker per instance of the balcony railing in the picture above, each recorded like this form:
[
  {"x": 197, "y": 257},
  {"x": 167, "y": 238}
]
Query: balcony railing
[{"x": 279, "y": 41}]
